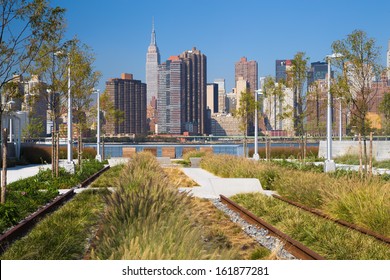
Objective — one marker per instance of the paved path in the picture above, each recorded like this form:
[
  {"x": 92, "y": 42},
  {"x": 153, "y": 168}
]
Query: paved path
[
  {"x": 24, "y": 171},
  {"x": 211, "y": 186}
]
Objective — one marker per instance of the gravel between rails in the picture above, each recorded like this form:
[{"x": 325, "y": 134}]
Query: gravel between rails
[{"x": 259, "y": 234}]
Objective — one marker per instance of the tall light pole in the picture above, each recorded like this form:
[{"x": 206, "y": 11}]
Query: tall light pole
[
  {"x": 98, "y": 156},
  {"x": 256, "y": 153},
  {"x": 69, "y": 165},
  {"x": 329, "y": 165}
]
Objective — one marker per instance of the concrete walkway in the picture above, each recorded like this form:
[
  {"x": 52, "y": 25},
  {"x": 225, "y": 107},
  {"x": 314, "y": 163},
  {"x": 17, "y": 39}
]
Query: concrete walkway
[
  {"x": 23, "y": 171},
  {"x": 211, "y": 186}
]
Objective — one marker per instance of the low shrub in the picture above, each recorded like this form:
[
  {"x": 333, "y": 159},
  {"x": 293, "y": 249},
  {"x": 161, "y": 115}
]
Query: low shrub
[{"x": 36, "y": 154}]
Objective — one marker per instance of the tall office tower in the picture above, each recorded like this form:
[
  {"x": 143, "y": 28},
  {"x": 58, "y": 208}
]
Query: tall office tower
[
  {"x": 282, "y": 67},
  {"x": 212, "y": 97},
  {"x": 170, "y": 96},
  {"x": 221, "y": 95},
  {"x": 128, "y": 96},
  {"x": 249, "y": 71},
  {"x": 194, "y": 103},
  {"x": 152, "y": 62},
  {"x": 242, "y": 85},
  {"x": 318, "y": 71}
]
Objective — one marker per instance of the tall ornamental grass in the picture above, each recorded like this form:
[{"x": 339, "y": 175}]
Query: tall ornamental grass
[
  {"x": 146, "y": 218},
  {"x": 365, "y": 203},
  {"x": 330, "y": 240}
]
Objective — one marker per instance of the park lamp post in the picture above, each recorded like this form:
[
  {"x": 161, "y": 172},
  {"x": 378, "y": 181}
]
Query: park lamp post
[
  {"x": 98, "y": 156},
  {"x": 329, "y": 165},
  {"x": 69, "y": 165},
  {"x": 256, "y": 152}
]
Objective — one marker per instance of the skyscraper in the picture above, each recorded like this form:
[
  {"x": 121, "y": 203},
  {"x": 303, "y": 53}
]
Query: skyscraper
[
  {"x": 281, "y": 69},
  {"x": 248, "y": 70},
  {"x": 318, "y": 71},
  {"x": 129, "y": 97},
  {"x": 212, "y": 97},
  {"x": 170, "y": 96},
  {"x": 221, "y": 95},
  {"x": 152, "y": 62},
  {"x": 195, "y": 67}
]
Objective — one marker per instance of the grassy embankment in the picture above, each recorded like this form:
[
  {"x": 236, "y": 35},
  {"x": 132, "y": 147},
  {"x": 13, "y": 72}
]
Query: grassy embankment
[
  {"x": 147, "y": 218},
  {"x": 27, "y": 195},
  {"x": 144, "y": 218},
  {"x": 63, "y": 235},
  {"x": 365, "y": 203}
]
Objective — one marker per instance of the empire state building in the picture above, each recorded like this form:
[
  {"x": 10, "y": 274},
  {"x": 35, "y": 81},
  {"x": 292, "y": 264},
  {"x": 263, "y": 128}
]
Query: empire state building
[{"x": 152, "y": 62}]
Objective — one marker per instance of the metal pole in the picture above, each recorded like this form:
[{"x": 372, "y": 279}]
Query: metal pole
[
  {"x": 70, "y": 152},
  {"x": 98, "y": 156},
  {"x": 256, "y": 154},
  {"x": 329, "y": 165}
]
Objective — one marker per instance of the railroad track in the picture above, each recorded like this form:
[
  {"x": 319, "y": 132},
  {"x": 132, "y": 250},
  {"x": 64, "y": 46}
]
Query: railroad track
[
  {"x": 23, "y": 227},
  {"x": 338, "y": 221},
  {"x": 296, "y": 248}
]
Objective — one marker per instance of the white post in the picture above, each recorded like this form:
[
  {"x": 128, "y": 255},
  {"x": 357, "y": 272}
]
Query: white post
[
  {"x": 256, "y": 154},
  {"x": 329, "y": 165},
  {"x": 98, "y": 156}
]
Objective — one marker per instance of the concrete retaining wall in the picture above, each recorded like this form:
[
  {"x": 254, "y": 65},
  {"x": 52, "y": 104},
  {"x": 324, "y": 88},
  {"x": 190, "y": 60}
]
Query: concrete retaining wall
[{"x": 380, "y": 149}]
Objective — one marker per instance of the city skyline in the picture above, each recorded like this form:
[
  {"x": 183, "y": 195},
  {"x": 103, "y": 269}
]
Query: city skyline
[{"x": 262, "y": 31}]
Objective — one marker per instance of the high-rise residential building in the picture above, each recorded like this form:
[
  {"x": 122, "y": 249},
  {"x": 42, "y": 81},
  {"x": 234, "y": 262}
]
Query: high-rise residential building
[
  {"x": 212, "y": 97},
  {"x": 171, "y": 96},
  {"x": 242, "y": 85},
  {"x": 281, "y": 69},
  {"x": 221, "y": 95},
  {"x": 152, "y": 62},
  {"x": 194, "y": 103},
  {"x": 182, "y": 94},
  {"x": 128, "y": 96},
  {"x": 249, "y": 71}
]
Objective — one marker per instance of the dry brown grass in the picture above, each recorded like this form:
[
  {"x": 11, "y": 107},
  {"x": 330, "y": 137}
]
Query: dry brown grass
[
  {"x": 219, "y": 230},
  {"x": 178, "y": 178}
]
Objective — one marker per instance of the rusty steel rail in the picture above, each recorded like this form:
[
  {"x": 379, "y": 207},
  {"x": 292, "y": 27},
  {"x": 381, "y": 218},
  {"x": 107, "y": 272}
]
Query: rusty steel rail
[
  {"x": 296, "y": 248},
  {"x": 25, "y": 225},
  {"x": 89, "y": 180},
  {"x": 28, "y": 223},
  {"x": 338, "y": 221}
]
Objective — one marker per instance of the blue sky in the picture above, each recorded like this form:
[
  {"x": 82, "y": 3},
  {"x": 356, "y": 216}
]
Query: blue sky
[{"x": 118, "y": 31}]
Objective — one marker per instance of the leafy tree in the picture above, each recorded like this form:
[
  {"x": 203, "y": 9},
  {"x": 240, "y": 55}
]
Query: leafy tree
[
  {"x": 24, "y": 27},
  {"x": 111, "y": 114},
  {"x": 384, "y": 108},
  {"x": 33, "y": 129},
  {"x": 84, "y": 78},
  {"x": 246, "y": 112},
  {"x": 297, "y": 77},
  {"x": 360, "y": 65}
]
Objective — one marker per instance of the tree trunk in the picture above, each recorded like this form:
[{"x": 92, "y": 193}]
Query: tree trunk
[
  {"x": 102, "y": 152},
  {"x": 53, "y": 152},
  {"x": 57, "y": 152},
  {"x": 370, "y": 163},
  {"x": 4, "y": 170},
  {"x": 360, "y": 156},
  {"x": 80, "y": 150}
]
